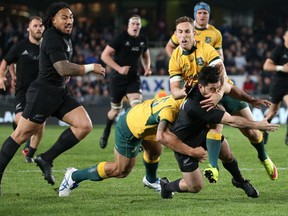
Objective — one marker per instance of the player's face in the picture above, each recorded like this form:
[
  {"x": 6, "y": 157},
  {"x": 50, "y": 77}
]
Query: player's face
[
  {"x": 202, "y": 18},
  {"x": 63, "y": 21},
  {"x": 185, "y": 35},
  {"x": 36, "y": 29},
  {"x": 134, "y": 27},
  {"x": 210, "y": 88}
]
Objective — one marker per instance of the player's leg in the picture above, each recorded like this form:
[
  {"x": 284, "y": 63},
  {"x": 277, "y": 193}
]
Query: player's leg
[
  {"x": 273, "y": 109},
  {"x": 231, "y": 164},
  {"x": 213, "y": 143},
  {"x": 285, "y": 99},
  {"x": 24, "y": 130},
  {"x": 125, "y": 153},
  {"x": 151, "y": 158},
  {"x": 120, "y": 168},
  {"x": 256, "y": 139},
  {"x": 111, "y": 116},
  {"x": 80, "y": 125},
  {"x": 117, "y": 92},
  {"x": 35, "y": 140},
  {"x": 15, "y": 123},
  {"x": 192, "y": 180}
]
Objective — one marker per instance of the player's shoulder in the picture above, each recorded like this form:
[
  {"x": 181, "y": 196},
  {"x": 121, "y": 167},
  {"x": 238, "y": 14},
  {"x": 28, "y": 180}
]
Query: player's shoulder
[
  {"x": 202, "y": 45},
  {"x": 213, "y": 28}
]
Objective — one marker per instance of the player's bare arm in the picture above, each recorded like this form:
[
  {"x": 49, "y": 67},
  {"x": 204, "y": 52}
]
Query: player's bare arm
[
  {"x": 66, "y": 68},
  {"x": 269, "y": 65},
  {"x": 146, "y": 63},
  {"x": 240, "y": 122},
  {"x": 177, "y": 91},
  {"x": 107, "y": 58},
  {"x": 243, "y": 96},
  {"x": 169, "y": 48}
]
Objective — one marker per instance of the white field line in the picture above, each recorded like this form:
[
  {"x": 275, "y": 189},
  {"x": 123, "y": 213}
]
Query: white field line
[{"x": 134, "y": 170}]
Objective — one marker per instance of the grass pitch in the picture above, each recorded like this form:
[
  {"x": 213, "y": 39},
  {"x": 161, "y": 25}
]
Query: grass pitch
[{"x": 26, "y": 193}]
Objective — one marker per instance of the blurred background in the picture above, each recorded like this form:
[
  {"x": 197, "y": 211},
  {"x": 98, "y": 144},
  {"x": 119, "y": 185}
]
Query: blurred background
[{"x": 250, "y": 30}]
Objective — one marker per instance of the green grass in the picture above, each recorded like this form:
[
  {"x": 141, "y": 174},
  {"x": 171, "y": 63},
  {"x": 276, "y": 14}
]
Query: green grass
[{"x": 26, "y": 193}]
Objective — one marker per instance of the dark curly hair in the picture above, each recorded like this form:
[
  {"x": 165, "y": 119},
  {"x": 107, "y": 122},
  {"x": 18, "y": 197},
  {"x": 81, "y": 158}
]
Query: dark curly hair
[
  {"x": 51, "y": 11},
  {"x": 209, "y": 74}
]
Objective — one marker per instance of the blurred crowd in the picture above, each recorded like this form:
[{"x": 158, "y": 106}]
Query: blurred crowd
[{"x": 245, "y": 50}]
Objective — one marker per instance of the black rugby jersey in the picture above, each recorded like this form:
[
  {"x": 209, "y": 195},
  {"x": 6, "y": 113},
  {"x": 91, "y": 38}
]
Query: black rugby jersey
[
  {"x": 26, "y": 56},
  {"x": 279, "y": 56},
  {"x": 128, "y": 49},
  {"x": 54, "y": 47},
  {"x": 192, "y": 120}
]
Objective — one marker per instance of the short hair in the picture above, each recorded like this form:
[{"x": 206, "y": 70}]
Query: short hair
[
  {"x": 51, "y": 11},
  {"x": 209, "y": 74},
  {"x": 184, "y": 19},
  {"x": 34, "y": 17}
]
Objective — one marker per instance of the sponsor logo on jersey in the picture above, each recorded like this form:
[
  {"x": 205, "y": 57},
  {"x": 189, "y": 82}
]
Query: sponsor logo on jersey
[
  {"x": 25, "y": 52},
  {"x": 18, "y": 106},
  {"x": 136, "y": 49}
]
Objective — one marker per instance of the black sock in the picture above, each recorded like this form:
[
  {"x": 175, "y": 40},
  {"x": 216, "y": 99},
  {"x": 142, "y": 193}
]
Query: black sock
[
  {"x": 107, "y": 129},
  {"x": 234, "y": 170},
  {"x": 8, "y": 150},
  {"x": 31, "y": 152},
  {"x": 66, "y": 141},
  {"x": 173, "y": 186}
]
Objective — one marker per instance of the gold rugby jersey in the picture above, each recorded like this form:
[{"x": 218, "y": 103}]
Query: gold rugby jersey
[
  {"x": 185, "y": 65},
  {"x": 143, "y": 119}
]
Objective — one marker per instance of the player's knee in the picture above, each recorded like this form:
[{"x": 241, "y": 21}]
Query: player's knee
[
  {"x": 195, "y": 188},
  {"x": 86, "y": 127},
  {"x": 21, "y": 136},
  {"x": 123, "y": 173}
]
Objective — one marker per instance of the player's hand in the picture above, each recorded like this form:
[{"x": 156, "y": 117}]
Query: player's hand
[
  {"x": 98, "y": 69},
  {"x": 124, "y": 70},
  {"x": 257, "y": 103},
  {"x": 200, "y": 154},
  {"x": 211, "y": 101},
  {"x": 2, "y": 83},
  {"x": 148, "y": 72},
  {"x": 264, "y": 125}
]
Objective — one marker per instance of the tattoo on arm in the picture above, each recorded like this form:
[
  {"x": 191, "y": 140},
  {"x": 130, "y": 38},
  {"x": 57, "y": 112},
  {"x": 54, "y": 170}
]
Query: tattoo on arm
[{"x": 66, "y": 68}]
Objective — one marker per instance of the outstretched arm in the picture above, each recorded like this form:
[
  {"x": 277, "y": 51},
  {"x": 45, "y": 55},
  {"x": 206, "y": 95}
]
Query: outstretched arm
[
  {"x": 240, "y": 122},
  {"x": 241, "y": 95}
]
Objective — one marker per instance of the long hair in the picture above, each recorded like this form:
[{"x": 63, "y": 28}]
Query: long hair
[{"x": 51, "y": 11}]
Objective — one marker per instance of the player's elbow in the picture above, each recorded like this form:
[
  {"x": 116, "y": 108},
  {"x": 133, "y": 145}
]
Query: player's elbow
[{"x": 160, "y": 137}]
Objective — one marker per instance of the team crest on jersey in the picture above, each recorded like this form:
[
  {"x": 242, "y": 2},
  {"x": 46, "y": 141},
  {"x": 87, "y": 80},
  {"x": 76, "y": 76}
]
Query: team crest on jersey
[
  {"x": 208, "y": 39},
  {"x": 200, "y": 61}
]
